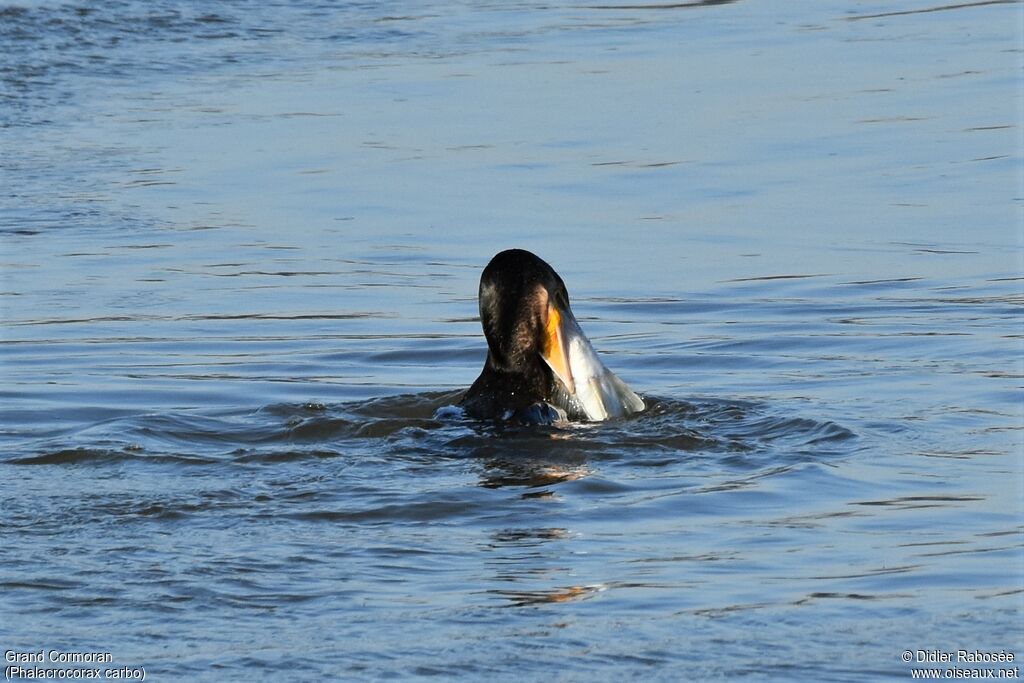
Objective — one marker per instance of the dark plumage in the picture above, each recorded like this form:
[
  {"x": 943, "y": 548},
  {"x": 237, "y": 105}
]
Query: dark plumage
[
  {"x": 533, "y": 341},
  {"x": 514, "y": 288}
]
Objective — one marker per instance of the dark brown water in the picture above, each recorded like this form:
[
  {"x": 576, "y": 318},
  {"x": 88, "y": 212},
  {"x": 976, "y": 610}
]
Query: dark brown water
[{"x": 240, "y": 250}]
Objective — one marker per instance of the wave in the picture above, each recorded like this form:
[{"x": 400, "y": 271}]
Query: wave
[{"x": 427, "y": 425}]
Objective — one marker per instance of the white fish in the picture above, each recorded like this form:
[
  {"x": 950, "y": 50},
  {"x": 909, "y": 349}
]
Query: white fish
[{"x": 591, "y": 389}]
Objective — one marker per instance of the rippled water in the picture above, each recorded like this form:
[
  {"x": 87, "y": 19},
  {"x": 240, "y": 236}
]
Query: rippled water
[{"x": 240, "y": 249}]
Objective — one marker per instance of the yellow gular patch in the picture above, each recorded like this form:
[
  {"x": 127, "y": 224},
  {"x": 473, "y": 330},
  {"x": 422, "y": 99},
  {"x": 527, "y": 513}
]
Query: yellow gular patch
[{"x": 554, "y": 350}]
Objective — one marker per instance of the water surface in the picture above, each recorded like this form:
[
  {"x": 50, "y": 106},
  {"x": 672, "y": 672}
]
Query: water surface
[{"x": 240, "y": 250}]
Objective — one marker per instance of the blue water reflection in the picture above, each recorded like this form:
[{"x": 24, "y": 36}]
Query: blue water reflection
[{"x": 240, "y": 252}]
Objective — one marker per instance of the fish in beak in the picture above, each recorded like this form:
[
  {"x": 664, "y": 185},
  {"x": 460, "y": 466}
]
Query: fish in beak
[
  {"x": 540, "y": 367},
  {"x": 589, "y": 387}
]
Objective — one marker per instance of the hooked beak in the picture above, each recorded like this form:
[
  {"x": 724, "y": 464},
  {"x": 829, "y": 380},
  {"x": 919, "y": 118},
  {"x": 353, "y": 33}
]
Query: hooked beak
[{"x": 555, "y": 347}]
